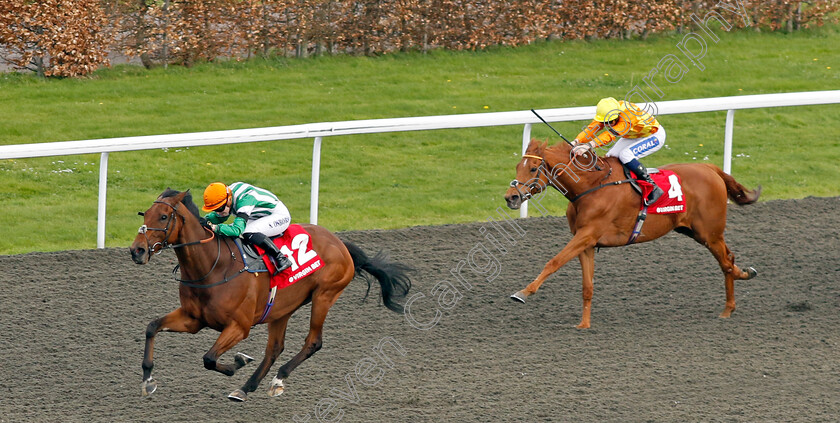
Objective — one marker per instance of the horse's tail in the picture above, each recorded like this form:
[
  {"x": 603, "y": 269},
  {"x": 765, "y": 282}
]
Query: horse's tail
[
  {"x": 737, "y": 192},
  {"x": 392, "y": 276}
]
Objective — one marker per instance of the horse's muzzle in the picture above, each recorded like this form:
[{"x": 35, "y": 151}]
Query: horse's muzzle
[
  {"x": 139, "y": 255},
  {"x": 513, "y": 201}
]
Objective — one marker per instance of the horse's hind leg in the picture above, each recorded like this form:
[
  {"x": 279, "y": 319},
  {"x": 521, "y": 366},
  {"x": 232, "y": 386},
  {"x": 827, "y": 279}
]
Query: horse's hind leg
[
  {"x": 276, "y": 341},
  {"x": 731, "y": 272},
  {"x": 321, "y": 304}
]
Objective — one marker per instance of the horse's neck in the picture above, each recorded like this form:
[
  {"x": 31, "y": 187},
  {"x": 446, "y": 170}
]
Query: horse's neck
[
  {"x": 572, "y": 177},
  {"x": 198, "y": 259}
]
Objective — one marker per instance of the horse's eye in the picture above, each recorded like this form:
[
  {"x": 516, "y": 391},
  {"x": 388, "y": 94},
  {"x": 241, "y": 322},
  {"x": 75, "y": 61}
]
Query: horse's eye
[
  {"x": 163, "y": 217},
  {"x": 533, "y": 169}
]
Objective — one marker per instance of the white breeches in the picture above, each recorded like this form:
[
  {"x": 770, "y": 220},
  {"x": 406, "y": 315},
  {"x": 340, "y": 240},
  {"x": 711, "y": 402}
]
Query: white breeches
[
  {"x": 273, "y": 224},
  {"x": 627, "y": 149}
]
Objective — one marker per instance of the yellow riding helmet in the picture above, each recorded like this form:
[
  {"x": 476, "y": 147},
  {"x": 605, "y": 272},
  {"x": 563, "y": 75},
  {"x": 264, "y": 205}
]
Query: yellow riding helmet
[
  {"x": 607, "y": 110},
  {"x": 215, "y": 195}
]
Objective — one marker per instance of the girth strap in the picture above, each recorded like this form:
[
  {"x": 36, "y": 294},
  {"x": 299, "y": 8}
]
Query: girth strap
[
  {"x": 637, "y": 228},
  {"x": 268, "y": 305}
]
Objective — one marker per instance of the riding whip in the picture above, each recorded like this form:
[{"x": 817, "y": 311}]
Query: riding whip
[{"x": 549, "y": 125}]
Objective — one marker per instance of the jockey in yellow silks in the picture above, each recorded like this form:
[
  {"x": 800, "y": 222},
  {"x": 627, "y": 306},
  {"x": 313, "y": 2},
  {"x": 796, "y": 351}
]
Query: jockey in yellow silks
[{"x": 639, "y": 134}]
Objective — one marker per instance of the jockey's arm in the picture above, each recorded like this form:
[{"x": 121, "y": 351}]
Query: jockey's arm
[
  {"x": 243, "y": 208},
  {"x": 214, "y": 218},
  {"x": 234, "y": 229},
  {"x": 604, "y": 138},
  {"x": 590, "y": 135}
]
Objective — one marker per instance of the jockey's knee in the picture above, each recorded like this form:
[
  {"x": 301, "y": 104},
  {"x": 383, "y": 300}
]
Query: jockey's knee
[{"x": 626, "y": 155}]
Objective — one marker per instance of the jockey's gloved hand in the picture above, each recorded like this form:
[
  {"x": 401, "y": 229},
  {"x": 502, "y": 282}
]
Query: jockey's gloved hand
[
  {"x": 581, "y": 149},
  {"x": 205, "y": 223}
]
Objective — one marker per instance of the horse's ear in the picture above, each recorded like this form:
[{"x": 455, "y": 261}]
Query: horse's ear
[
  {"x": 534, "y": 147},
  {"x": 160, "y": 197},
  {"x": 541, "y": 146},
  {"x": 181, "y": 195}
]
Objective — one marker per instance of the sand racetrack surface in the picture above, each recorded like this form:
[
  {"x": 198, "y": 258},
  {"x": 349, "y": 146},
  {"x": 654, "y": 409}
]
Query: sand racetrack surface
[{"x": 73, "y": 326}]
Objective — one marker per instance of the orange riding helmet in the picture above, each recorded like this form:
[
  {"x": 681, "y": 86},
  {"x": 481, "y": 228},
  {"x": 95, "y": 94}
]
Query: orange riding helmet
[{"x": 215, "y": 196}]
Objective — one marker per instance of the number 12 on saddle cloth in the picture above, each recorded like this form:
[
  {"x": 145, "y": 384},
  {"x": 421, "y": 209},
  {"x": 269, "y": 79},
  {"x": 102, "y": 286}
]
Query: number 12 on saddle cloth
[
  {"x": 673, "y": 201},
  {"x": 296, "y": 244}
]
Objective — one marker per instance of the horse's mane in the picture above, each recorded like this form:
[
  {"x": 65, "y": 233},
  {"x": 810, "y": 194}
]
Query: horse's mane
[
  {"x": 539, "y": 147},
  {"x": 187, "y": 201}
]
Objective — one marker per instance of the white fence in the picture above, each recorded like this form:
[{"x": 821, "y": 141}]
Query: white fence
[{"x": 325, "y": 129}]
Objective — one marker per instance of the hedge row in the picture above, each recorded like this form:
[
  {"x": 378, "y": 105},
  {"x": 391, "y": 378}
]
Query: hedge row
[{"x": 70, "y": 37}]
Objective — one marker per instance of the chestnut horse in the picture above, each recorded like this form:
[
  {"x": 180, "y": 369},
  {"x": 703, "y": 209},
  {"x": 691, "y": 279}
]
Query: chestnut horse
[
  {"x": 218, "y": 293},
  {"x": 603, "y": 209}
]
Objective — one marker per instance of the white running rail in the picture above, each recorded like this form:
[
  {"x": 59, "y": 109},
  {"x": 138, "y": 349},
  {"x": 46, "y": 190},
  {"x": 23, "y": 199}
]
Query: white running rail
[{"x": 325, "y": 129}]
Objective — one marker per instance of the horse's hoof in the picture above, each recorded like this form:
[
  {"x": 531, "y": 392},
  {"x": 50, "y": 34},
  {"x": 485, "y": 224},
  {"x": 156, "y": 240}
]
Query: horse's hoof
[
  {"x": 751, "y": 272},
  {"x": 148, "y": 386},
  {"x": 242, "y": 359},
  {"x": 238, "y": 396},
  {"x": 517, "y": 296},
  {"x": 276, "y": 388}
]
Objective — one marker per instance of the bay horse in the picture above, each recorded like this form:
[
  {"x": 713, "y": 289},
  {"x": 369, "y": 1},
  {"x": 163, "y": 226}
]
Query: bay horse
[
  {"x": 603, "y": 209},
  {"x": 216, "y": 291}
]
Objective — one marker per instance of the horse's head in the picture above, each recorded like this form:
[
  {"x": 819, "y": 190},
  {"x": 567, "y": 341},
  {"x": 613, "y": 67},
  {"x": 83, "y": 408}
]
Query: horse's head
[
  {"x": 531, "y": 175},
  {"x": 161, "y": 226},
  {"x": 556, "y": 166}
]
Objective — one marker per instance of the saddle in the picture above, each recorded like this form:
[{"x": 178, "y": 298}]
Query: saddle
[{"x": 633, "y": 179}]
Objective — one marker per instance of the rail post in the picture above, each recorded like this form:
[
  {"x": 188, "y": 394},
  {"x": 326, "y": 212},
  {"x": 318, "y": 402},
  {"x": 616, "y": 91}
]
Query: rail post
[
  {"x": 316, "y": 178},
  {"x": 526, "y": 139},
  {"x": 103, "y": 189}
]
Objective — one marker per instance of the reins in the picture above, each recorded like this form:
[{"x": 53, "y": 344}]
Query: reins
[{"x": 596, "y": 188}]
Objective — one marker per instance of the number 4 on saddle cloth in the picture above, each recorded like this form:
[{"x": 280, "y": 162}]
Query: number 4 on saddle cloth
[
  {"x": 296, "y": 244},
  {"x": 673, "y": 201}
]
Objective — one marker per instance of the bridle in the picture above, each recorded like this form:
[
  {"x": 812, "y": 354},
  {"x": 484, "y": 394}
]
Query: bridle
[
  {"x": 165, "y": 243},
  {"x": 515, "y": 184}
]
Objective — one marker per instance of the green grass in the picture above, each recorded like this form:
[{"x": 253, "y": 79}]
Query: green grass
[{"x": 395, "y": 179}]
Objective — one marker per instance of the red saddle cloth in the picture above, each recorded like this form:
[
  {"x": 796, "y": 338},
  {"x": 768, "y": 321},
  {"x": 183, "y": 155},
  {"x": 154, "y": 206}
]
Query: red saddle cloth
[
  {"x": 673, "y": 201},
  {"x": 296, "y": 244}
]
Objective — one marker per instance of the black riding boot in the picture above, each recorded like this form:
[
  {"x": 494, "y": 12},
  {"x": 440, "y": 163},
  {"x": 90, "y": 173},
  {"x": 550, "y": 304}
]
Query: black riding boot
[
  {"x": 281, "y": 262},
  {"x": 641, "y": 173}
]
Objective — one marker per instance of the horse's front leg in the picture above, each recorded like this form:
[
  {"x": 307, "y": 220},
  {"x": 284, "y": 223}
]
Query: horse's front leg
[
  {"x": 587, "y": 265},
  {"x": 581, "y": 241},
  {"x": 176, "y": 321}
]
